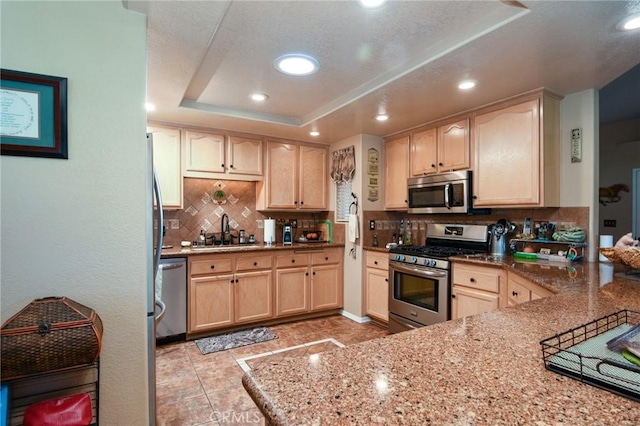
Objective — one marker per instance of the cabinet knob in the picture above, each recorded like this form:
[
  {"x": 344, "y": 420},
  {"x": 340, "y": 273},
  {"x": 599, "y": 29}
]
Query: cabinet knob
[
  {"x": 433, "y": 165},
  {"x": 255, "y": 263},
  {"x": 386, "y": 280},
  {"x": 326, "y": 258},
  {"x": 306, "y": 274},
  {"x": 453, "y": 296},
  {"x": 222, "y": 165},
  {"x": 295, "y": 202},
  {"x": 473, "y": 280},
  {"x": 293, "y": 261},
  {"x": 301, "y": 202},
  {"x": 514, "y": 293},
  {"x": 375, "y": 262},
  {"x": 231, "y": 166},
  {"x": 237, "y": 280},
  {"x": 440, "y": 164},
  {"x": 213, "y": 266},
  {"x": 314, "y": 272},
  {"x": 475, "y": 197},
  {"x": 231, "y": 281}
]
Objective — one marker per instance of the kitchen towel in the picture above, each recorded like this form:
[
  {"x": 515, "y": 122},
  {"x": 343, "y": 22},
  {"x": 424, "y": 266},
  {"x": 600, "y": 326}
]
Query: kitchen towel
[{"x": 353, "y": 228}]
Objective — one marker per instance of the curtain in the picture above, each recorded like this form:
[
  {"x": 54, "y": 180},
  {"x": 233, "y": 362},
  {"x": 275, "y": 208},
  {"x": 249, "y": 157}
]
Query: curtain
[{"x": 343, "y": 164}]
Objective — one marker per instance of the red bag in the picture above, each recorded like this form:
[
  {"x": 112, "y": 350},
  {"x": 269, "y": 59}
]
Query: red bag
[{"x": 72, "y": 410}]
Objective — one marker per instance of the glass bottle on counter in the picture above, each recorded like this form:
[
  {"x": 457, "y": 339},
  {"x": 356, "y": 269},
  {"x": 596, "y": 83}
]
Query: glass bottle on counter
[
  {"x": 375, "y": 240},
  {"x": 407, "y": 234},
  {"x": 401, "y": 236},
  {"x": 201, "y": 239}
]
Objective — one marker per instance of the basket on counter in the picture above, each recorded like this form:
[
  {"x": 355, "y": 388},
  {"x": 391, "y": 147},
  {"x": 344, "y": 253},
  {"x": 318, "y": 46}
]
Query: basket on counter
[
  {"x": 50, "y": 334},
  {"x": 629, "y": 256}
]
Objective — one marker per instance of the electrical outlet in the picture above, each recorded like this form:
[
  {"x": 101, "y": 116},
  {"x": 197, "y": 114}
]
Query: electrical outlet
[
  {"x": 294, "y": 223},
  {"x": 372, "y": 224},
  {"x": 610, "y": 223}
]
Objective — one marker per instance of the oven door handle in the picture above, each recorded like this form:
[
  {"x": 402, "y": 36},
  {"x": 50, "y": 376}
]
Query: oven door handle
[
  {"x": 447, "y": 201},
  {"x": 425, "y": 272}
]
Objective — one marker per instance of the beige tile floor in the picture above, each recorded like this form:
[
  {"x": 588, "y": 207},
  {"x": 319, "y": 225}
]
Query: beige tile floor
[{"x": 196, "y": 389}]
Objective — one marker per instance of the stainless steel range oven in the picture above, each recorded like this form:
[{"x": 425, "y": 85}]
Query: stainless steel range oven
[{"x": 420, "y": 288}]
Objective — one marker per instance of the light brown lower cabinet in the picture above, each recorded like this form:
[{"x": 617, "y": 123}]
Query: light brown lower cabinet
[
  {"x": 376, "y": 287},
  {"x": 477, "y": 289},
  {"x": 242, "y": 288},
  {"x": 521, "y": 290},
  {"x": 308, "y": 281},
  {"x": 225, "y": 290}
]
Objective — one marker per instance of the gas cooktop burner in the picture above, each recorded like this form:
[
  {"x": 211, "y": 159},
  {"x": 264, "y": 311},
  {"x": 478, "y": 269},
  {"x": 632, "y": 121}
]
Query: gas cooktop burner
[{"x": 434, "y": 251}]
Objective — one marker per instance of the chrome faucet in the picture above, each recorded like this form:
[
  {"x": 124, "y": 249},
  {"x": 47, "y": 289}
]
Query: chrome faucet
[{"x": 224, "y": 230}]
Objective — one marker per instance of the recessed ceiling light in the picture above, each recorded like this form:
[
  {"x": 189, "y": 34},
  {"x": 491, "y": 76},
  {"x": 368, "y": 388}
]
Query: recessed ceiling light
[
  {"x": 372, "y": 3},
  {"x": 314, "y": 133},
  {"x": 466, "y": 85},
  {"x": 382, "y": 117},
  {"x": 259, "y": 97},
  {"x": 296, "y": 64},
  {"x": 149, "y": 106},
  {"x": 629, "y": 23}
]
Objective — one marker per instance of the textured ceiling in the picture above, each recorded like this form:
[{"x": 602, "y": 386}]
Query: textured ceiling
[{"x": 406, "y": 57}]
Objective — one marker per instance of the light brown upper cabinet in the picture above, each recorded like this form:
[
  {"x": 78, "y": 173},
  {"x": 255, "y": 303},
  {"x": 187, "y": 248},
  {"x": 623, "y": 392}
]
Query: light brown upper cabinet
[
  {"x": 440, "y": 149},
  {"x": 166, "y": 161},
  {"x": 296, "y": 177},
  {"x": 517, "y": 153},
  {"x": 453, "y": 146},
  {"x": 396, "y": 173},
  {"x": 216, "y": 156}
]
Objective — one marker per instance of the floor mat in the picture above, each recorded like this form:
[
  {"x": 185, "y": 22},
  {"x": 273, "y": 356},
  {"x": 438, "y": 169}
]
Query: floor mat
[{"x": 234, "y": 340}]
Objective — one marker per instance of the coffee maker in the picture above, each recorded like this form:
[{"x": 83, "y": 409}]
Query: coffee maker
[{"x": 287, "y": 235}]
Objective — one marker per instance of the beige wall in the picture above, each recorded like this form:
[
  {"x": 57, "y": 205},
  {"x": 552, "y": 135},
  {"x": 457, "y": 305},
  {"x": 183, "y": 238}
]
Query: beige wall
[
  {"x": 77, "y": 227},
  {"x": 579, "y": 181}
]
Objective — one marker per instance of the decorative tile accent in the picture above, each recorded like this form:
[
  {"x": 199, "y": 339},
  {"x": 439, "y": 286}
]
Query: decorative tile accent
[
  {"x": 233, "y": 224},
  {"x": 219, "y": 211},
  {"x": 232, "y": 199},
  {"x": 191, "y": 211},
  {"x": 246, "y": 212},
  {"x": 260, "y": 223},
  {"x": 206, "y": 198},
  {"x": 206, "y": 225}
]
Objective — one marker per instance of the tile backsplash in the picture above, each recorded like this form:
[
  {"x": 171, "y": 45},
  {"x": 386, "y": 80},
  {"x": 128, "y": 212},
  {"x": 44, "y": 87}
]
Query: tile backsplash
[{"x": 203, "y": 210}]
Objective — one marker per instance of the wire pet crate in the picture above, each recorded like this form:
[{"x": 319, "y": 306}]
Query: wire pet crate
[{"x": 582, "y": 353}]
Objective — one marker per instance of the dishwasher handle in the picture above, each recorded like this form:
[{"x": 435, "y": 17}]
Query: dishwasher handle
[
  {"x": 163, "y": 309},
  {"x": 169, "y": 266}
]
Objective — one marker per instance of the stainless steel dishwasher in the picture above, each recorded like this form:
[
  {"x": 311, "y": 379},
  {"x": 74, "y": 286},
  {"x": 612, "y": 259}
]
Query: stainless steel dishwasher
[{"x": 171, "y": 289}]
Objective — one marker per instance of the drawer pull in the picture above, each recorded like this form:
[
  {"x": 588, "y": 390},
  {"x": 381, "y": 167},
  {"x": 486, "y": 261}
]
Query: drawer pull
[
  {"x": 306, "y": 274},
  {"x": 213, "y": 266},
  {"x": 293, "y": 261},
  {"x": 514, "y": 293},
  {"x": 255, "y": 263},
  {"x": 314, "y": 272},
  {"x": 326, "y": 258},
  {"x": 375, "y": 262},
  {"x": 473, "y": 280},
  {"x": 386, "y": 280},
  {"x": 453, "y": 296}
]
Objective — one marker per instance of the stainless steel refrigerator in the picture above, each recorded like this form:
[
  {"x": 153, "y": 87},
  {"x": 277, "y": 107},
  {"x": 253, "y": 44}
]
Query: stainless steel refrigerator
[{"x": 154, "y": 250}]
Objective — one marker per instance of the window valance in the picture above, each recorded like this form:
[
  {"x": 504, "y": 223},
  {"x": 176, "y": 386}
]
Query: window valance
[{"x": 343, "y": 164}]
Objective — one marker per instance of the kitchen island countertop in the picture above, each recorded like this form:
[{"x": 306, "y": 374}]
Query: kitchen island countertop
[
  {"x": 240, "y": 248},
  {"x": 484, "y": 369}
]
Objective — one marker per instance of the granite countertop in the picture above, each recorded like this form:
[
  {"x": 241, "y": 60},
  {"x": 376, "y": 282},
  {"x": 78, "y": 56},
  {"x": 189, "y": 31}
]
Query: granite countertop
[
  {"x": 190, "y": 251},
  {"x": 484, "y": 369}
]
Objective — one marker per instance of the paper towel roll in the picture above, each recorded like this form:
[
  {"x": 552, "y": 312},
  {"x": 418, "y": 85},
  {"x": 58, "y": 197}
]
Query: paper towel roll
[
  {"x": 269, "y": 231},
  {"x": 605, "y": 241}
]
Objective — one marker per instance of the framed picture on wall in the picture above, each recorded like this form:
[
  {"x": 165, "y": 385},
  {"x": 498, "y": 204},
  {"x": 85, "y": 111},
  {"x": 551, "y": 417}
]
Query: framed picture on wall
[{"x": 33, "y": 115}]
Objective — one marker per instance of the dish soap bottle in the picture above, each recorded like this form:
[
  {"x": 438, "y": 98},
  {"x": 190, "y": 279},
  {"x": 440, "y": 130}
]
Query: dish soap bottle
[
  {"x": 407, "y": 233},
  {"x": 375, "y": 240}
]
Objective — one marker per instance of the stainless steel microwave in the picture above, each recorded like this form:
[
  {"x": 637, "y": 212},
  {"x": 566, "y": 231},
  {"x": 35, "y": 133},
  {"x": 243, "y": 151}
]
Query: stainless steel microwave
[{"x": 442, "y": 193}]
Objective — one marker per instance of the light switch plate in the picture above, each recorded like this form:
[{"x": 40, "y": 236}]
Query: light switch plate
[{"x": 372, "y": 224}]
